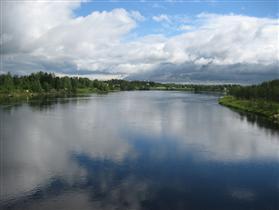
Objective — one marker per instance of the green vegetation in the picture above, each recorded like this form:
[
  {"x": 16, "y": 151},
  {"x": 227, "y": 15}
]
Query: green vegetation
[
  {"x": 268, "y": 91},
  {"x": 48, "y": 84},
  {"x": 260, "y": 99},
  {"x": 39, "y": 83}
]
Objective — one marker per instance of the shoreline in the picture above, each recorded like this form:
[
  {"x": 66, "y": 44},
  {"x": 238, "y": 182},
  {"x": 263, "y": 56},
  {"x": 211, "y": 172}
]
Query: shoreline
[
  {"x": 266, "y": 109},
  {"x": 17, "y": 97},
  {"x": 6, "y": 98}
]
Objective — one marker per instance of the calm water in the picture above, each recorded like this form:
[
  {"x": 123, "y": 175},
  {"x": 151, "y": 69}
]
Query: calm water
[{"x": 136, "y": 150}]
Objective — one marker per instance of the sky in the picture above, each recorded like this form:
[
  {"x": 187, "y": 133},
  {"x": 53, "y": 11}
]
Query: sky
[{"x": 167, "y": 41}]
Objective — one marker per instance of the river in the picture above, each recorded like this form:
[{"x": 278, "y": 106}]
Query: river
[{"x": 136, "y": 150}]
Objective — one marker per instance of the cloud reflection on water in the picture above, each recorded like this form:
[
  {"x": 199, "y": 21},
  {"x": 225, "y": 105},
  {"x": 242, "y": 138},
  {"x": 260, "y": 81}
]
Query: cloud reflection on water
[{"x": 139, "y": 134}]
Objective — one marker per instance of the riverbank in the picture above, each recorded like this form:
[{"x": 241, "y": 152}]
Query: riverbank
[
  {"x": 17, "y": 96},
  {"x": 22, "y": 96},
  {"x": 267, "y": 109}
]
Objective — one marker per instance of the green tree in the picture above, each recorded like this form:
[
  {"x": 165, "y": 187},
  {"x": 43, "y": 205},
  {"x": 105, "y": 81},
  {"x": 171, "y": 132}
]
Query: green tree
[{"x": 7, "y": 82}]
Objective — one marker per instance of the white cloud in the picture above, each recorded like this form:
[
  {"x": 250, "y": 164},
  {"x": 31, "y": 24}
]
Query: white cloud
[
  {"x": 161, "y": 18},
  {"x": 47, "y": 36},
  {"x": 24, "y": 21},
  {"x": 230, "y": 39},
  {"x": 136, "y": 15},
  {"x": 171, "y": 19}
]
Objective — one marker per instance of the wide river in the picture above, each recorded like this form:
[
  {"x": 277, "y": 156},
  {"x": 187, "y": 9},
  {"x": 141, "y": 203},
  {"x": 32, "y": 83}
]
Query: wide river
[{"x": 136, "y": 150}]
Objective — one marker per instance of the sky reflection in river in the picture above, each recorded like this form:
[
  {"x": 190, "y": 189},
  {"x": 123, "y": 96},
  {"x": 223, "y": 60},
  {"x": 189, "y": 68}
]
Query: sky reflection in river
[{"x": 136, "y": 150}]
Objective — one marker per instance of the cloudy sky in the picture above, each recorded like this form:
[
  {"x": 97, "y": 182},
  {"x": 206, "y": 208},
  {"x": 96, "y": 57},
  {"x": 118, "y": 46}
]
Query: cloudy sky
[{"x": 186, "y": 41}]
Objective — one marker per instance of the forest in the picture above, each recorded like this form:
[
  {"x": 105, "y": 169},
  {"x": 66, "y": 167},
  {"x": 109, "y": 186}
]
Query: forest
[
  {"x": 268, "y": 91},
  {"x": 262, "y": 99},
  {"x": 43, "y": 82}
]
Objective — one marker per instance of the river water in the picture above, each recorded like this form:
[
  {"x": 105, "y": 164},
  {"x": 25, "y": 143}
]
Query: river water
[{"x": 136, "y": 150}]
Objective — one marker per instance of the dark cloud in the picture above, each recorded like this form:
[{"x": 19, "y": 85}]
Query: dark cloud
[
  {"x": 25, "y": 64},
  {"x": 189, "y": 72}
]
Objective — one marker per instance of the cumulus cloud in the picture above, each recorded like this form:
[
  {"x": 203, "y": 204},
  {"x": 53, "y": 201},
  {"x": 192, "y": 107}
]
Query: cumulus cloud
[
  {"x": 226, "y": 40},
  {"x": 46, "y": 35},
  {"x": 24, "y": 21}
]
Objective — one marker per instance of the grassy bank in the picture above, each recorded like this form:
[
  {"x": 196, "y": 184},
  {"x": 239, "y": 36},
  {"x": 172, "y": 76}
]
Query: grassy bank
[
  {"x": 267, "y": 109},
  {"x": 18, "y": 96}
]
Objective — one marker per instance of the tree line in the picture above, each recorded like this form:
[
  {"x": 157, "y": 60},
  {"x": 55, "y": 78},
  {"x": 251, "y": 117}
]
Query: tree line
[
  {"x": 268, "y": 91},
  {"x": 43, "y": 82},
  {"x": 47, "y": 82}
]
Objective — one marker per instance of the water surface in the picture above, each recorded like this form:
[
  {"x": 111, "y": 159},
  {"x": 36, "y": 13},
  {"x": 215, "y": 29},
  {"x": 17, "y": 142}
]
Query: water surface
[{"x": 136, "y": 150}]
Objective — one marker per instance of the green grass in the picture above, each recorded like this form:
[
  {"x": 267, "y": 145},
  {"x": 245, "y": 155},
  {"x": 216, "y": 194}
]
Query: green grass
[
  {"x": 86, "y": 90},
  {"x": 17, "y": 96},
  {"x": 264, "y": 108}
]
